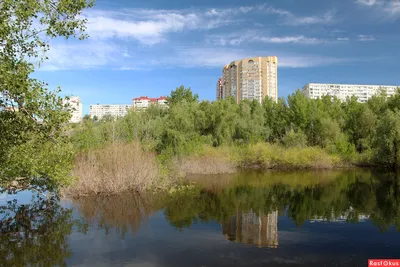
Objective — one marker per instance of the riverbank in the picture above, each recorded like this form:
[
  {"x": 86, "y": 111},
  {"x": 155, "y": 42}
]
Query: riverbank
[{"x": 118, "y": 168}]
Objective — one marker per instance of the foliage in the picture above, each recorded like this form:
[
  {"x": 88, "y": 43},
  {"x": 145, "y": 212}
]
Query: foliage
[
  {"x": 318, "y": 132},
  {"x": 387, "y": 141},
  {"x": 33, "y": 150}
]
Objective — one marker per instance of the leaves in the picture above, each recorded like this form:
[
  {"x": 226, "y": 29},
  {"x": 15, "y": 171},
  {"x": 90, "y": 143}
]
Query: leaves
[{"x": 32, "y": 118}]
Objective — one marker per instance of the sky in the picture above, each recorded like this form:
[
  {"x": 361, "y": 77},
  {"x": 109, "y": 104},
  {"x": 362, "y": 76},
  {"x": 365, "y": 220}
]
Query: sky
[{"x": 150, "y": 47}]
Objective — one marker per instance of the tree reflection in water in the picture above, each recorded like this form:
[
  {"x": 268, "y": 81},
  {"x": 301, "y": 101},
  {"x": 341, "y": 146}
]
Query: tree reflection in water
[
  {"x": 35, "y": 234},
  {"x": 121, "y": 212},
  {"x": 246, "y": 205}
]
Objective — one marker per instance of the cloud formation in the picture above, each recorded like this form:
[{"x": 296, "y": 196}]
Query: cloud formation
[
  {"x": 248, "y": 37},
  {"x": 150, "y": 26},
  {"x": 290, "y": 19},
  {"x": 364, "y": 38},
  {"x": 144, "y": 39},
  {"x": 389, "y": 8}
]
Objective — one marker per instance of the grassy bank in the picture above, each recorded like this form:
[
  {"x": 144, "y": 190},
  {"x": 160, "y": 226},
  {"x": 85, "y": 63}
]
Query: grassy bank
[
  {"x": 151, "y": 149},
  {"x": 118, "y": 168}
]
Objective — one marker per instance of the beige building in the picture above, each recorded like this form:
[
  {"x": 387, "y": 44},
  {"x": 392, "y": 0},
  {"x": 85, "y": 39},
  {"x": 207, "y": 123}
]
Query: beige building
[{"x": 250, "y": 78}]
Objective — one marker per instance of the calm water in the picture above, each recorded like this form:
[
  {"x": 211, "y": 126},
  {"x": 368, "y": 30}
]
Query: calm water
[{"x": 253, "y": 219}]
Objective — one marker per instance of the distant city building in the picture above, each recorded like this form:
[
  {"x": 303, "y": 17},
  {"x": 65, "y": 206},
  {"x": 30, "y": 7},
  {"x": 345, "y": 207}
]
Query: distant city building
[
  {"x": 75, "y": 107},
  {"x": 250, "y": 78},
  {"x": 99, "y": 111},
  {"x": 342, "y": 91},
  {"x": 144, "y": 102},
  {"x": 251, "y": 228}
]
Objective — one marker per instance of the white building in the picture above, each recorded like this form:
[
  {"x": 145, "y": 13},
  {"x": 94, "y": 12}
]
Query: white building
[
  {"x": 116, "y": 111},
  {"x": 342, "y": 91},
  {"x": 144, "y": 102},
  {"x": 75, "y": 107}
]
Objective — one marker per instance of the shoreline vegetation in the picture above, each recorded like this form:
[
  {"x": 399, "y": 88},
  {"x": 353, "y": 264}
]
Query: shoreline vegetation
[{"x": 155, "y": 149}]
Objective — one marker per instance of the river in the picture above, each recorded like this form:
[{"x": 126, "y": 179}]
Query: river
[{"x": 320, "y": 218}]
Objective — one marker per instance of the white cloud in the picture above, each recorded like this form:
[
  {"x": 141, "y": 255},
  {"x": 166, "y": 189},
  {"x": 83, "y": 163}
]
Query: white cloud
[
  {"x": 291, "y": 39},
  {"x": 366, "y": 2},
  {"x": 150, "y": 26},
  {"x": 211, "y": 57},
  {"x": 257, "y": 36},
  {"x": 109, "y": 56},
  {"x": 392, "y": 9},
  {"x": 81, "y": 55},
  {"x": 389, "y": 8},
  {"x": 343, "y": 39},
  {"x": 362, "y": 37},
  {"x": 291, "y": 19}
]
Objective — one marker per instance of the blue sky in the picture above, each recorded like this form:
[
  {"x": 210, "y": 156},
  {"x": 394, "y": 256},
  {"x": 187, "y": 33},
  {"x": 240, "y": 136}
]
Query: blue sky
[{"x": 151, "y": 47}]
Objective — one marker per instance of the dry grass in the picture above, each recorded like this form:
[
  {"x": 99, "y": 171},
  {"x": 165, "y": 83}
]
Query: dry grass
[
  {"x": 114, "y": 169},
  {"x": 208, "y": 161}
]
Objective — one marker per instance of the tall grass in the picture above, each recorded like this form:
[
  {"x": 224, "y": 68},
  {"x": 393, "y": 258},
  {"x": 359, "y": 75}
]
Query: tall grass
[
  {"x": 272, "y": 156},
  {"x": 114, "y": 169},
  {"x": 207, "y": 160}
]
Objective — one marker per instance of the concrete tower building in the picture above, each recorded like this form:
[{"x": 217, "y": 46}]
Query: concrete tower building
[{"x": 250, "y": 78}]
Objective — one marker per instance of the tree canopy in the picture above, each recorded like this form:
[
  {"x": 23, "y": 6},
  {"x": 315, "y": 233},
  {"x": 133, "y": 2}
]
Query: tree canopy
[{"x": 33, "y": 150}]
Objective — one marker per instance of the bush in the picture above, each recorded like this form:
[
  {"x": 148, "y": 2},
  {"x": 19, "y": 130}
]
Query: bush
[
  {"x": 264, "y": 155},
  {"x": 114, "y": 169}
]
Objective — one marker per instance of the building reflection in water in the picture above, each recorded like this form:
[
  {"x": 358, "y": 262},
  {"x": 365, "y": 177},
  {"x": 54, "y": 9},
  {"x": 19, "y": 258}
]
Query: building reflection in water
[{"x": 250, "y": 228}]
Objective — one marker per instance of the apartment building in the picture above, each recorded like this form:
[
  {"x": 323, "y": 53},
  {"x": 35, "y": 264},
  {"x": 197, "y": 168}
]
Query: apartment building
[
  {"x": 250, "y": 78},
  {"x": 75, "y": 107},
  {"x": 116, "y": 111},
  {"x": 342, "y": 91},
  {"x": 144, "y": 102},
  {"x": 252, "y": 228}
]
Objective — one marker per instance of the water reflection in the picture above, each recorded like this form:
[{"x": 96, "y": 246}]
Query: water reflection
[
  {"x": 122, "y": 212},
  {"x": 252, "y": 228},
  {"x": 297, "y": 215},
  {"x": 35, "y": 234},
  {"x": 245, "y": 204}
]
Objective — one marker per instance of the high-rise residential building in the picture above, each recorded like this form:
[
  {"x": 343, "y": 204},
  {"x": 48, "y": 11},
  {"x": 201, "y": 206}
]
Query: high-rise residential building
[
  {"x": 250, "y": 78},
  {"x": 99, "y": 111},
  {"x": 144, "y": 102},
  {"x": 252, "y": 228},
  {"x": 342, "y": 91},
  {"x": 75, "y": 107}
]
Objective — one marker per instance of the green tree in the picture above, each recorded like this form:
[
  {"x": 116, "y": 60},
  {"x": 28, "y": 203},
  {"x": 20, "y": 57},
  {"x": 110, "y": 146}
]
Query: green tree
[
  {"x": 387, "y": 141},
  {"x": 182, "y": 94},
  {"x": 86, "y": 117},
  {"x": 33, "y": 150}
]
